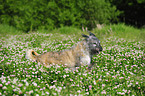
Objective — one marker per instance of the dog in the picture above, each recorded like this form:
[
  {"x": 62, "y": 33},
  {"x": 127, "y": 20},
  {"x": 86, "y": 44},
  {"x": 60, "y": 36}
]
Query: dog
[{"x": 78, "y": 55}]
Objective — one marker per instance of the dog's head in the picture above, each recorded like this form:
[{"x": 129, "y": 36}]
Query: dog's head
[{"x": 93, "y": 43}]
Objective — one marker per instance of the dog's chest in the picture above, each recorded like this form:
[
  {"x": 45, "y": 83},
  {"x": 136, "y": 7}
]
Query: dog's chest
[{"x": 85, "y": 60}]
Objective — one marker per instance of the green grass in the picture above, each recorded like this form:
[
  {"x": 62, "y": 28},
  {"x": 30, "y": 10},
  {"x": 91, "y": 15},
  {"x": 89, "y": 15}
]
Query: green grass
[
  {"x": 118, "y": 70},
  {"x": 122, "y": 31},
  {"x": 6, "y": 30}
]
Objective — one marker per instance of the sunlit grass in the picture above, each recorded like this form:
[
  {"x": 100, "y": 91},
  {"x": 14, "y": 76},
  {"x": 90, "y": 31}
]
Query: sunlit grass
[{"x": 122, "y": 31}]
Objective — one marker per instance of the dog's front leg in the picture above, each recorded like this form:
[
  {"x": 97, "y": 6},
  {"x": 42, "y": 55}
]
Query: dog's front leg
[
  {"x": 78, "y": 62},
  {"x": 91, "y": 65}
]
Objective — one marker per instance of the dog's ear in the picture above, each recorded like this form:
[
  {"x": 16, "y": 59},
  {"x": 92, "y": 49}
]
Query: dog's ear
[
  {"x": 91, "y": 34},
  {"x": 85, "y": 36}
]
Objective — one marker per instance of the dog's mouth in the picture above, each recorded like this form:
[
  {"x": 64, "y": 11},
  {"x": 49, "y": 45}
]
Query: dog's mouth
[{"x": 96, "y": 51}]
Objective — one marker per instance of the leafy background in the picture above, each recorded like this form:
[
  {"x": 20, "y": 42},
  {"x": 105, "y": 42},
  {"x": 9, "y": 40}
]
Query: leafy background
[{"x": 28, "y": 15}]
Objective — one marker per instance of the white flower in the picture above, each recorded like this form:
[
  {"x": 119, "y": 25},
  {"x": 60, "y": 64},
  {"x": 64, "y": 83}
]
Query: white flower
[
  {"x": 79, "y": 91},
  {"x": 103, "y": 92},
  {"x": 103, "y": 85},
  {"x": 27, "y": 84},
  {"x": 15, "y": 81},
  {"x": 30, "y": 91},
  {"x": 121, "y": 77},
  {"x": 20, "y": 85},
  {"x": 4, "y": 87},
  {"x": 47, "y": 93},
  {"x": 1, "y": 85},
  {"x": 35, "y": 84},
  {"x": 64, "y": 76}
]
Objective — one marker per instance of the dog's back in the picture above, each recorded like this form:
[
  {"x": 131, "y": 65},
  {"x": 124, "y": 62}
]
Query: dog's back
[{"x": 69, "y": 58}]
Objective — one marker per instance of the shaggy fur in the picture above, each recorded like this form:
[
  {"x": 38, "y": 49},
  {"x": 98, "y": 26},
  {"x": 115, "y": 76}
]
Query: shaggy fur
[{"x": 81, "y": 54}]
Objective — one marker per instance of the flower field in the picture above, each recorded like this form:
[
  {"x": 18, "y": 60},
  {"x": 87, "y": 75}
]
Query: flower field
[{"x": 119, "y": 69}]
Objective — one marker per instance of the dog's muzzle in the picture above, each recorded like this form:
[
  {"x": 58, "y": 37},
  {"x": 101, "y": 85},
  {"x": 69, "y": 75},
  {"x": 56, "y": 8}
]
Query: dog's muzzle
[{"x": 98, "y": 50}]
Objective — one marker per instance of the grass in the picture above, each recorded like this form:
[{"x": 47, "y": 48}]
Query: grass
[
  {"x": 119, "y": 69},
  {"x": 122, "y": 31},
  {"x": 6, "y": 30}
]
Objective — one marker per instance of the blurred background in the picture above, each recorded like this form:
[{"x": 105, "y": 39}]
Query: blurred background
[{"x": 32, "y": 15}]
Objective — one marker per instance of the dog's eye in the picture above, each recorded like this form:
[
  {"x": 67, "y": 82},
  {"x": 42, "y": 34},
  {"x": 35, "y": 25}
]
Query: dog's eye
[{"x": 95, "y": 43}]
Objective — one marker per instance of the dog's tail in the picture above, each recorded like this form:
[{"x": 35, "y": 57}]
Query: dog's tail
[{"x": 31, "y": 54}]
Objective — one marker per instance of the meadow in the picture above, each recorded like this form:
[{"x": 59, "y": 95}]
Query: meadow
[{"x": 119, "y": 69}]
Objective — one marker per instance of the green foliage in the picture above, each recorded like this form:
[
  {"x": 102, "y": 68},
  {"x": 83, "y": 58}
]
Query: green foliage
[
  {"x": 28, "y": 15},
  {"x": 97, "y": 12}
]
